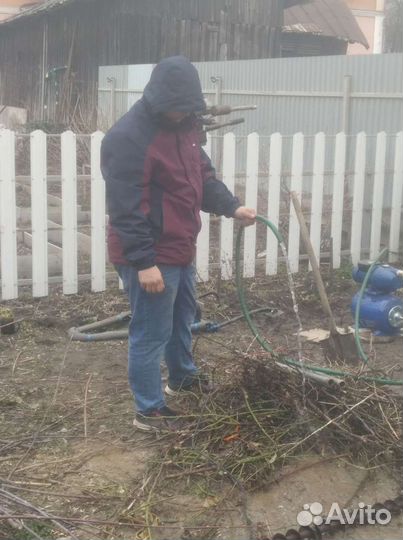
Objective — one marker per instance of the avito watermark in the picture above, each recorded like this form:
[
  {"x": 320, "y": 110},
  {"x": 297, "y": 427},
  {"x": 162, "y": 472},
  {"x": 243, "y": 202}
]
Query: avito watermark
[{"x": 364, "y": 514}]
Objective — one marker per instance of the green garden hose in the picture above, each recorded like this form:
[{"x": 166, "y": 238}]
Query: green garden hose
[
  {"x": 357, "y": 338},
  {"x": 264, "y": 343}
]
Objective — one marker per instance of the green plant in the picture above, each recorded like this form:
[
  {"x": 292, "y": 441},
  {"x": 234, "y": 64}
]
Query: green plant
[{"x": 38, "y": 528}]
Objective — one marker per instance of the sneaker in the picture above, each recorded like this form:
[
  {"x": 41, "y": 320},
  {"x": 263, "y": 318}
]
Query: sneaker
[
  {"x": 200, "y": 384},
  {"x": 164, "y": 419}
]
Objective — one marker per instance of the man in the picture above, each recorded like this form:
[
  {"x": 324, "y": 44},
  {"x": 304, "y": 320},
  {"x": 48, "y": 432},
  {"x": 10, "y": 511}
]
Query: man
[{"x": 158, "y": 179}]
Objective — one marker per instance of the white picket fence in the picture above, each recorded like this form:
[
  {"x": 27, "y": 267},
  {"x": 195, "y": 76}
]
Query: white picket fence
[{"x": 274, "y": 184}]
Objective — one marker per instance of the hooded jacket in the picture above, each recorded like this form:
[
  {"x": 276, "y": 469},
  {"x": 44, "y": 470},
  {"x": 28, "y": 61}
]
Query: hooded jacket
[{"x": 157, "y": 176}]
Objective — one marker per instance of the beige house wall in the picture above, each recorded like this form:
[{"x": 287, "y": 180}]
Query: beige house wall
[
  {"x": 8, "y": 8},
  {"x": 370, "y": 16}
]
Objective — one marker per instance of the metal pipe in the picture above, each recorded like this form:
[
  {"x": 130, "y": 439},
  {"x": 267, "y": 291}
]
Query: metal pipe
[
  {"x": 82, "y": 333},
  {"x": 76, "y": 335},
  {"x": 312, "y": 376},
  {"x": 112, "y": 113},
  {"x": 219, "y": 110},
  {"x": 234, "y": 122},
  {"x": 345, "y": 126},
  {"x": 121, "y": 317}
]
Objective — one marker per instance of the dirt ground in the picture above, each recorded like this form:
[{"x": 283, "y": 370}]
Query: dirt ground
[{"x": 67, "y": 444}]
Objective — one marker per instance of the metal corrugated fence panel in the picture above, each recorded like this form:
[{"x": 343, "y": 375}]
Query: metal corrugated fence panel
[
  {"x": 306, "y": 95},
  {"x": 372, "y": 73},
  {"x": 108, "y": 76},
  {"x": 379, "y": 74},
  {"x": 241, "y": 80}
]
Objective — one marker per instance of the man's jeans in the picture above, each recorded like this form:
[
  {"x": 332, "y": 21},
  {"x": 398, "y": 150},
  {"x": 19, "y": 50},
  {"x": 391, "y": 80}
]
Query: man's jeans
[{"x": 160, "y": 328}]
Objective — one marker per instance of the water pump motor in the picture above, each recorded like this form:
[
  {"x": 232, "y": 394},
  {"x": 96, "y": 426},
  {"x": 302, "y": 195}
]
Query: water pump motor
[{"x": 381, "y": 311}]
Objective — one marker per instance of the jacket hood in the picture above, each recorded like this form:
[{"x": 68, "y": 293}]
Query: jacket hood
[{"x": 174, "y": 86}]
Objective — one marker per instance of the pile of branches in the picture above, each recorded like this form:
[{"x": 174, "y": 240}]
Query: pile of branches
[{"x": 266, "y": 416}]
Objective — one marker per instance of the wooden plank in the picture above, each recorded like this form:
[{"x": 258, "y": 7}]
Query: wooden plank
[
  {"x": 54, "y": 213},
  {"x": 195, "y": 41},
  {"x": 184, "y": 41},
  {"x": 175, "y": 35},
  {"x": 237, "y": 42},
  {"x": 25, "y": 266},
  {"x": 213, "y": 44},
  {"x": 39, "y": 214},
  {"x": 98, "y": 245},
  {"x": 164, "y": 31},
  {"x": 273, "y": 212},
  {"x": 69, "y": 212},
  {"x": 51, "y": 178},
  {"x": 227, "y": 225},
  {"x": 296, "y": 185},
  {"x": 338, "y": 197},
  {"x": 317, "y": 194},
  {"x": 55, "y": 234},
  {"x": 256, "y": 41},
  {"x": 377, "y": 195},
  {"x": 223, "y": 36},
  {"x": 203, "y": 41},
  {"x": 358, "y": 197},
  {"x": 397, "y": 201},
  {"x": 8, "y": 220},
  {"x": 252, "y": 169},
  {"x": 54, "y": 280},
  {"x": 53, "y": 249},
  {"x": 54, "y": 201},
  {"x": 189, "y": 39}
]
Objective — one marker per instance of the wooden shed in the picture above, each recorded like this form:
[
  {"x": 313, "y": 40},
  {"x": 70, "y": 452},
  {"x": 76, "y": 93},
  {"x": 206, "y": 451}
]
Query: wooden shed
[
  {"x": 50, "y": 54},
  {"x": 320, "y": 28}
]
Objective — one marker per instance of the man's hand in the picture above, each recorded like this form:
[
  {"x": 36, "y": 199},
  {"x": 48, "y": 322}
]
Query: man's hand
[
  {"x": 151, "y": 280},
  {"x": 247, "y": 216}
]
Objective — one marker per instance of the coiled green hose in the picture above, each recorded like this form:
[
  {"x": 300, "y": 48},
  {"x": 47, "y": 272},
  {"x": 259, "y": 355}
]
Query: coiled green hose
[
  {"x": 266, "y": 345},
  {"x": 357, "y": 338}
]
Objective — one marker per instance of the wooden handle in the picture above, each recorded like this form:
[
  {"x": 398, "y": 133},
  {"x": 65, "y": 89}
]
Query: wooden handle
[{"x": 314, "y": 263}]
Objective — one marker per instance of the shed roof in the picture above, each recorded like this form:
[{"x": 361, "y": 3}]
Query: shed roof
[
  {"x": 330, "y": 18},
  {"x": 53, "y": 4},
  {"x": 36, "y": 9}
]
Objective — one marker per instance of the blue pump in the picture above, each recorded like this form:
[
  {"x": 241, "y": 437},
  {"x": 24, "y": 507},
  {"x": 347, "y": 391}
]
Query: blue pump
[{"x": 381, "y": 311}]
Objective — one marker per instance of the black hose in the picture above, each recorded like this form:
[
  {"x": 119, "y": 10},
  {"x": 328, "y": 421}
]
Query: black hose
[{"x": 315, "y": 532}]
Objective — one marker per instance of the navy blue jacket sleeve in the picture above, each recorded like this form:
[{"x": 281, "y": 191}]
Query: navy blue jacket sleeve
[
  {"x": 217, "y": 198},
  {"x": 127, "y": 177}
]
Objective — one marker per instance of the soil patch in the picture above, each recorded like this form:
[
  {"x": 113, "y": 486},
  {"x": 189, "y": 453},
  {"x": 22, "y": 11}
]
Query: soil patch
[{"x": 68, "y": 446}]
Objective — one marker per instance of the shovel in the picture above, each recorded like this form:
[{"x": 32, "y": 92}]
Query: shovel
[{"x": 341, "y": 345}]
